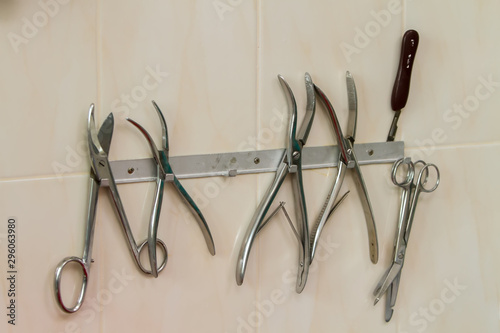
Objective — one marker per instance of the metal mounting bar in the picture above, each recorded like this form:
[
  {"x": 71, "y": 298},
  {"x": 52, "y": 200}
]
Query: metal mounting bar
[{"x": 248, "y": 162}]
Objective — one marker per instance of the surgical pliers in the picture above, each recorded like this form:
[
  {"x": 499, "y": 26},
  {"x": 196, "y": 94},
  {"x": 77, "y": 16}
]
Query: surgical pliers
[
  {"x": 291, "y": 162},
  {"x": 347, "y": 160},
  {"x": 101, "y": 175},
  {"x": 165, "y": 173}
]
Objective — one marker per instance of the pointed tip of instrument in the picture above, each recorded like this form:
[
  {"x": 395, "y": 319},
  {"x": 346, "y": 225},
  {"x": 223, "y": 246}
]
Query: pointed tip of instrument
[
  {"x": 152, "y": 145},
  {"x": 109, "y": 122},
  {"x": 156, "y": 106},
  {"x": 91, "y": 122},
  {"x": 285, "y": 85},
  {"x": 163, "y": 123},
  {"x": 348, "y": 74},
  {"x": 283, "y": 82},
  {"x": 91, "y": 111},
  {"x": 311, "y": 99},
  {"x": 158, "y": 110},
  {"x": 308, "y": 77},
  {"x": 376, "y": 300},
  {"x": 133, "y": 122}
]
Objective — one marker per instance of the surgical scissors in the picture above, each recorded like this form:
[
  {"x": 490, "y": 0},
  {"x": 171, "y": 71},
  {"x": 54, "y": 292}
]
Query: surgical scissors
[
  {"x": 165, "y": 173},
  {"x": 347, "y": 160},
  {"x": 409, "y": 199},
  {"x": 101, "y": 175},
  {"x": 291, "y": 162}
]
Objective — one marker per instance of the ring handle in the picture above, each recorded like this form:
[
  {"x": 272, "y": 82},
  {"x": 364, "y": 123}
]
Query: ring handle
[
  {"x": 57, "y": 283},
  {"x": 409, "y": 174},
  {"x": 423, "y": 182},
  {"x": 163, "y": 247}
]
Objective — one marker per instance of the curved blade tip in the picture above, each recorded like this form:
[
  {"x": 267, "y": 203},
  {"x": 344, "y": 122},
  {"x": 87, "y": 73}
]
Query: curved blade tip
[{"x": 91, "y": 112}]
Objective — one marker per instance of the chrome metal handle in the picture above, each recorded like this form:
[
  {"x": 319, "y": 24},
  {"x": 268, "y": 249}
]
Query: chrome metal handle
[{"x": 57, "y": 283}]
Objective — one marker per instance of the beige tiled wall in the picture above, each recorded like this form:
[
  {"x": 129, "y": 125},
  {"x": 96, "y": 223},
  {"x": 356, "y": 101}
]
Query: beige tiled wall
[{"x": 212, "y": 66}]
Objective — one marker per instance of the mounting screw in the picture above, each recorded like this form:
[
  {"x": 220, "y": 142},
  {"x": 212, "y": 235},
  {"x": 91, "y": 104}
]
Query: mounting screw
[
  {"x": 256, "y": 160},
  {"x": 131, "y": 171}
]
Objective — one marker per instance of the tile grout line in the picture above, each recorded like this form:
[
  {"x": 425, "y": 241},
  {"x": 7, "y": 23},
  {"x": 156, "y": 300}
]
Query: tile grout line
[
  {"x": 403, "y": 17},
  {"x": 258, "y": 83},
  {"x": 98, "y": 57},
  {"x": 259, "y": 108},
  {"x": 413, "y": 148},
  {"x": 43, "y": 177},
  {"x": 456, "y": 146},
  {"x": 100, "y": 111},
  {"x": 259, "y": 76}
]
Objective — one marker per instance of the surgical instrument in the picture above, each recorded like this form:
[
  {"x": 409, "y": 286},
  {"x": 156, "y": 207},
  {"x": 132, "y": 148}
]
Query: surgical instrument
[
  {"x": 100, "y": 175},
  {"x": 347, "y": 160},
  {"x": 409, "y": 199},
  {"x": 165, "y": 173},
  {"x": 401, "y": 87},
  {"x": 291, "y": 162}
]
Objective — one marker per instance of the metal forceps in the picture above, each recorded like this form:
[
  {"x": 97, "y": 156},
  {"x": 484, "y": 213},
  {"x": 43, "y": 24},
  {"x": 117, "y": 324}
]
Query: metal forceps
[
  {"x": 165, "y": 174},
  {"x": 347, "y": 160},
  {"x": 409, "y": 199},
  {"x": 291, "y": 162},
  {"x": 101, "y": 175}
]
